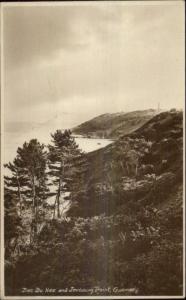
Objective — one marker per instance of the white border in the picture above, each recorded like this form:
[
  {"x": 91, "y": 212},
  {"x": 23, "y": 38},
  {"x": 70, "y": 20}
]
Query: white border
[
  {"x": 73, "y": 3},
  {"x": 92, "y": 3},
  {"x": 2, "y": 161}
]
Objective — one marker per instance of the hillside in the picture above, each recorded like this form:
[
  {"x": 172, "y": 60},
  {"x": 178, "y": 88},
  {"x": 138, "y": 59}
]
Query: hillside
[
  {"x": 124, "y": 226},
  {"x": 134, "y": 195},
  {"x": 114, "y": 125},
  {"x": 155, "y": 148}
]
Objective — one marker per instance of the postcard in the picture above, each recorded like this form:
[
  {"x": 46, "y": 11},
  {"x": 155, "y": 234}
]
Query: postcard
[{"x": 92, "y": 150}]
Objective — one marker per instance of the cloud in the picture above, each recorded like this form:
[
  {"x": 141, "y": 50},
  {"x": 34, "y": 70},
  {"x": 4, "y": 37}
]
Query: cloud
[
  {"x": 34, "y": 32},
  {"x": 38, "y": 32},
  {"x": 90, "y": 59}
]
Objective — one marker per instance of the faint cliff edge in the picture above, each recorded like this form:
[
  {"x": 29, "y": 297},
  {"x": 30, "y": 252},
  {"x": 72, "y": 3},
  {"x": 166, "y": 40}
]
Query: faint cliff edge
[{"x": 114, "y": 125}]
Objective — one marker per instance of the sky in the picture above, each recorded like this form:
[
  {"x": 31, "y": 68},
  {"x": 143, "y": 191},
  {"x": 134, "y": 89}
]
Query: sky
[{"x": 75, "y": 61}]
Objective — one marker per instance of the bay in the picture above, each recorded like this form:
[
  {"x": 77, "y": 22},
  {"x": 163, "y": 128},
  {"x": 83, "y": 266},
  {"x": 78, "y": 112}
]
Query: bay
[{"x": 12, "y": 140}]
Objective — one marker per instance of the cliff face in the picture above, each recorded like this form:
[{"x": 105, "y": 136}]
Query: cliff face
[{"x": 114, "y": 125}]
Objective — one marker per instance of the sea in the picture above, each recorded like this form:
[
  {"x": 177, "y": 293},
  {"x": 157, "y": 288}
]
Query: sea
[{"x": 14, "y": 139}]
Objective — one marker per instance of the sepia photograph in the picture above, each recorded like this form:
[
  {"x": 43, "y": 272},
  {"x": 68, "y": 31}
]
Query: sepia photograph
[{"x": 92, "y": 149}]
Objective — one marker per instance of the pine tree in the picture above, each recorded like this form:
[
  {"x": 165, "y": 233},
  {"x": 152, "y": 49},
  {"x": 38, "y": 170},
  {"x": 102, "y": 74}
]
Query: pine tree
[
  {"x": 29, "y": 177},
  {"x": 12, "y": 223},
  {"x": 61, "y": 156},
  {"x": 17, "y": 184}
]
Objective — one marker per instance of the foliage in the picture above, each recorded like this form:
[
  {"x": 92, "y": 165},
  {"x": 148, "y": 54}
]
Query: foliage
[
  {"x": 29, "y": 177},
  {"x": 60, "y": 161},
  {"x": 114, "y": 125},
  {"x": 124, "y": 225}
]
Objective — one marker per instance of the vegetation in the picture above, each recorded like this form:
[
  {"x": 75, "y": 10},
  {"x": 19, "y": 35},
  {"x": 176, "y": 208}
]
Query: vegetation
[
  {"x": 29, "y": 177},
  {"x": 114, "y": 125},
  {"x": 60, "y": 157},
  {"x": 123, "y": 227}
]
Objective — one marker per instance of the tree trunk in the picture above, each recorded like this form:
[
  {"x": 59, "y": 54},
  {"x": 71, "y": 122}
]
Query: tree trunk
[
  {"x": 136, "y": 169},
  {"x": 19, "y": 193},
  {"x": 127, "y": 166},
  {"x": 34, "y": 209},
  {"x": 59, "y": 189},
  {"x": 111, "y": 184},
  {"x": 58, "y": 198},
  {"x": 54, "y": 212},
  {"x": 36, "y": 217}
]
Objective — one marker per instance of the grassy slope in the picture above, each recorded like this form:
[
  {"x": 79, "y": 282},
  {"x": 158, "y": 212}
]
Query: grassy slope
[{"x": 114, "y": 125}]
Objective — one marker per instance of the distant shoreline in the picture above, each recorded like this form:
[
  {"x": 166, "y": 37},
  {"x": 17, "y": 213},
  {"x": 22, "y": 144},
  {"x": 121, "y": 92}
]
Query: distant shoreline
[{"x": 91, "y": 137}]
